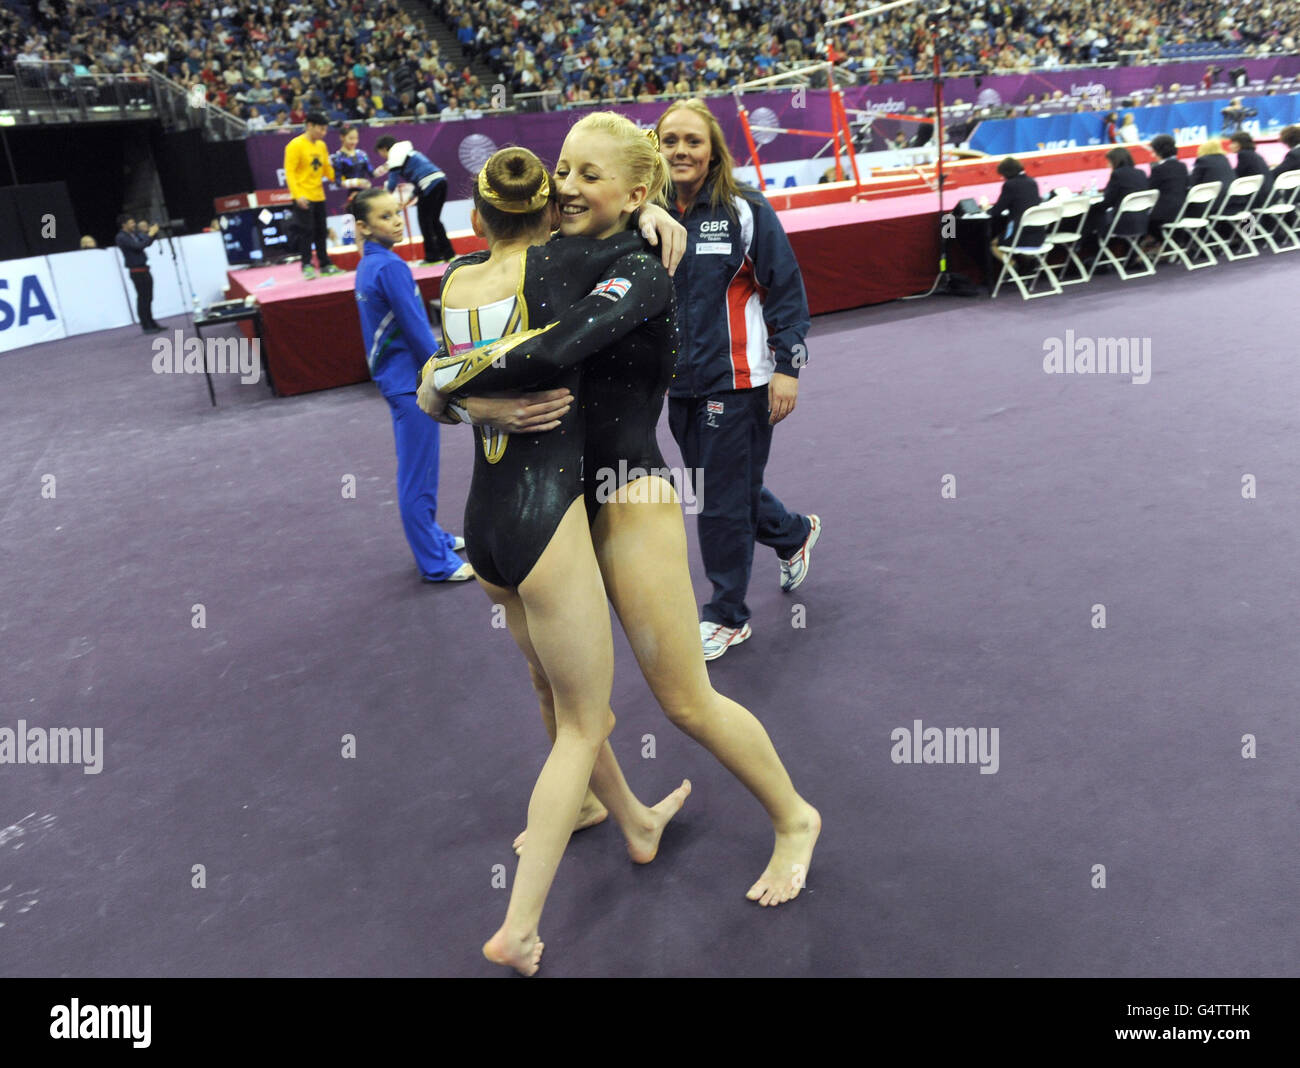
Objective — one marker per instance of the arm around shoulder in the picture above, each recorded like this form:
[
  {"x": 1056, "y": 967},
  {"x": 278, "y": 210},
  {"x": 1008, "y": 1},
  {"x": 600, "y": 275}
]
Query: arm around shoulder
[{"x": 634, "y": 289}]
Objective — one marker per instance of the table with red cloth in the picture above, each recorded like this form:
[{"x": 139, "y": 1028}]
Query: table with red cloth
[{"x": 850, "y": 253}]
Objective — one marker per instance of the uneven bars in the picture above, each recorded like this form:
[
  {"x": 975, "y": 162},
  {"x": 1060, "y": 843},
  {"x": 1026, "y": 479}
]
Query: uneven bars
[
  {"x": 866, "y": 14},
  {"x": 779, "y": 77}
]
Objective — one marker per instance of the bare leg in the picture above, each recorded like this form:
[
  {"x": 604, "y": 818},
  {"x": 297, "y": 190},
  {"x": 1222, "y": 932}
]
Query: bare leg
[
  {"x": 642, "y": 827},
  {"x": 562, "y": 597},
  {"x": 593, "y": 812},
  {"x": 640, "y": 543}
]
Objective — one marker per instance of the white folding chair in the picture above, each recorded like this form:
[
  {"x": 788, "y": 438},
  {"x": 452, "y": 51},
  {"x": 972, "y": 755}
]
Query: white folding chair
[
  {"x": 1274, "y": 216},
  {"x": 1192, "y": 222},
  {"x": 1129, "y": 224},
  {"x": 1042, "y": 219},
  {"x": 1066, "y": 236},
  {"x": 1237, "y": 217}
]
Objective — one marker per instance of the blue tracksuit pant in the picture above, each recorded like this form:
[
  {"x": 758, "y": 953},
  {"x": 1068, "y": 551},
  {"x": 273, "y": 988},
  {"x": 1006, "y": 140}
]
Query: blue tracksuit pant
[
  {"x": 727, "y": 436},
  {"x": 417, "y": 487}
]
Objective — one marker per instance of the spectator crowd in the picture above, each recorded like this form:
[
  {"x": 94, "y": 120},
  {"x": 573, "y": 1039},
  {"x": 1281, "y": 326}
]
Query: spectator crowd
[
  {"x": 620, "y": 49},
  {"x": 270, "y": 62}
]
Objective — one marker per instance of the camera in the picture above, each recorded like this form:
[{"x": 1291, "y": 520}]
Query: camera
[{"x": 1233, "y": 115}]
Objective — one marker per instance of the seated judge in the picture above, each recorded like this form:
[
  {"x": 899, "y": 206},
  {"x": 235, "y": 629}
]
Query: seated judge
[
  {"x": 1249, "y": 162},
  {"x": 1169, "y": 177},
  {"x": 1212, "y": 166},
  {"x": 1289, "y": 136},
  {"x": 1125, "y": 178},
  {"x": 1019, "y": 193}
]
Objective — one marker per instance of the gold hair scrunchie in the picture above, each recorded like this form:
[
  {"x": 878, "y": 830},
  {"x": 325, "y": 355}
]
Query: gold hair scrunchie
[
  {"x": 514, "y": 207},
  {"x": 654, "y": 138}
]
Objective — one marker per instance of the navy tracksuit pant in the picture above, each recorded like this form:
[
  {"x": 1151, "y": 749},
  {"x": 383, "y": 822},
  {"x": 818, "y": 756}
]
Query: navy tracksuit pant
[
  {"x": 728, "y": 437},
  {"x": 428, "y": 210}
]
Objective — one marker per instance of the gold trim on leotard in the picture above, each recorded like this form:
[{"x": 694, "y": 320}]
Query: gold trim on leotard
[
  {"x": 521, "y": 305},
  {"x": 468, "y": 366},
  {"x": 473, "y": 362},
  {"x": 494, "y": 441}
]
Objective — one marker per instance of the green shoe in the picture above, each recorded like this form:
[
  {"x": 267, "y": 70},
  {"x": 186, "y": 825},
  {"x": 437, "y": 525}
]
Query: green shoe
[
  {"x": 331, "y": 269},
  {"x": 309, "y": 272}
]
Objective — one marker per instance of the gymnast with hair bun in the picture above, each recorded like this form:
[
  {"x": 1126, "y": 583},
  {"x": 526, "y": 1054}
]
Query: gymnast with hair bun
[
  {"x": 621, "y": 335},
  {"x": 527, "y": 535}
]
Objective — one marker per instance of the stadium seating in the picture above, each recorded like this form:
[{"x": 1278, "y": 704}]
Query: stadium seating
[{"x": 650, "y": 44}]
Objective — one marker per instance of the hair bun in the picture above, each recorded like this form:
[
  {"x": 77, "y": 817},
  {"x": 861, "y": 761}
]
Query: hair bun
[{"x": 514, "y": 181}]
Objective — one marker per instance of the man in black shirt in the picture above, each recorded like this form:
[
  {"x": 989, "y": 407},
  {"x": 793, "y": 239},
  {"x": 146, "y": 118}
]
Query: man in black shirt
[{"x": 133, "y": 240}]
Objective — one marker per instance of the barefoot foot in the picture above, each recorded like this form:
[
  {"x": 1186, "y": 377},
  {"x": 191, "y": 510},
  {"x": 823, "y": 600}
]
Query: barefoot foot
[
  {"x": 643, "y": 843},
  {"x": 787, "y": 871},
  {"x": 524, "y": 955},
  {"x": 591, "y": 813}
]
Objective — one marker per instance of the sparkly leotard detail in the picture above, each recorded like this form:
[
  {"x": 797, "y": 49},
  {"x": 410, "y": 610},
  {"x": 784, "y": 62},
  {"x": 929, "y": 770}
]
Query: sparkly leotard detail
[{"x": 521, "y": 488}]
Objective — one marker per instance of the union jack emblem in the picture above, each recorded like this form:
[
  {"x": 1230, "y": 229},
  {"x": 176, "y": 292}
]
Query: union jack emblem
[{"x": 612, "y": 288}]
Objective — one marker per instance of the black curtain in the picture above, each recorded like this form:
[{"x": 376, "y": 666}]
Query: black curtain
[
  {"x": 89, "y": 158},
  {"x": 195, "y": 172},
  {"x": 105, "y": 167}
]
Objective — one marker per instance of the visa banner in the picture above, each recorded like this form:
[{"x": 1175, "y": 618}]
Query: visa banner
[
  {"x": 29, "y": 305},
  {"x": 1189, "y": 121}
]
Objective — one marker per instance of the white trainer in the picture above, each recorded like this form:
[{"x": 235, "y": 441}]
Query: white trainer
[
  {"x": 795, "y": 570},
  {"x": 717, "y": 639},
  {"x": 462, "y": 574}
]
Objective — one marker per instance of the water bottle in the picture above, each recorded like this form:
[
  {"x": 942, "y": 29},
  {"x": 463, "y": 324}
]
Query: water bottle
[{"x": 198, "y": 305}]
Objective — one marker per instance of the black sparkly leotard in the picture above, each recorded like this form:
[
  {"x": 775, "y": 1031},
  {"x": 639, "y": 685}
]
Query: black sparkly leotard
[
  {"x": 622, "y": 336},
  {"x": 524, "y": 483}
]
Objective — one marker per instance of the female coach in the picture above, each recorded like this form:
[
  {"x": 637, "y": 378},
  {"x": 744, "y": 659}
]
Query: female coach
[{"x": 737, "y": 374}]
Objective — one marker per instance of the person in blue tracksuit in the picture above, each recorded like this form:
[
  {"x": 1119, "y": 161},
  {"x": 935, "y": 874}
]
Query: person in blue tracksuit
[
  {"x": 395, "y": 330},
  {"x": 737, "y": 371},
  {"x": 402, "y": 163}
]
